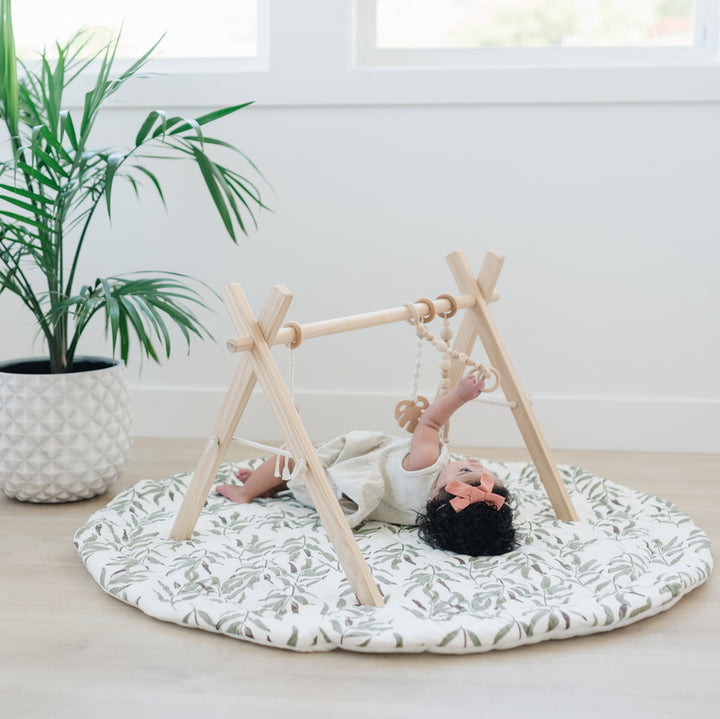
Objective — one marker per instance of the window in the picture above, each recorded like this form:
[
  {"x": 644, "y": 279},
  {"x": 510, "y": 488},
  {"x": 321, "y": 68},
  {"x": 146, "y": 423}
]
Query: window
[
  {"x": 471, "y": 32},
  {"x": 211, "y": 29},
  {"x": 398, "y": 52}
]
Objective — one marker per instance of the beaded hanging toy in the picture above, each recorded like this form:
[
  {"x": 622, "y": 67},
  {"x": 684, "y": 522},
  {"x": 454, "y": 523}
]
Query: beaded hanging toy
[{"x": 408, "y": 411}]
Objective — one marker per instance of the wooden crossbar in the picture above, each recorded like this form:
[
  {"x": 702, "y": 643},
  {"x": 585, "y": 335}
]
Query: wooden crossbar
[
  {"x": 353, "y": 322},
  {"x": 257, "y": 336}
]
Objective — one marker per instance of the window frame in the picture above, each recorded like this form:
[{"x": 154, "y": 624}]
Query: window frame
[
  {"x": 309, "y": 56},
  {"x": 367, "y": 54},
  {"x": 259, "y": 61}
]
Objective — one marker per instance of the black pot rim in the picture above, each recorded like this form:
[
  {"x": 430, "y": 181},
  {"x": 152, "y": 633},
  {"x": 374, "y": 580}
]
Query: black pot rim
[{"x": 15, "y": 366}]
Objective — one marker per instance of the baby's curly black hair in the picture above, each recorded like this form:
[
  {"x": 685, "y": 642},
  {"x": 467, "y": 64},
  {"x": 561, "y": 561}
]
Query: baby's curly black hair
[{"x": 477, "y": 530}]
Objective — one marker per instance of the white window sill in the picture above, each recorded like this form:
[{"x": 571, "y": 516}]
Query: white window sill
[{"x": 302, "y": 86}]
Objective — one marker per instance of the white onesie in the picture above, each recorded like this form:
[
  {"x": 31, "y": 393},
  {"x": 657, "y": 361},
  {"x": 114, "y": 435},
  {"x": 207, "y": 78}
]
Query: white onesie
[{"x": 366, "y": 468}]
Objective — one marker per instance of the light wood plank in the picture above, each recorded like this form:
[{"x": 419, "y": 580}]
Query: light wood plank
[
  {"x": 233, "y": 406},
  {"x": 510, "y": 382},
  {"x": 300, "y": 444}
]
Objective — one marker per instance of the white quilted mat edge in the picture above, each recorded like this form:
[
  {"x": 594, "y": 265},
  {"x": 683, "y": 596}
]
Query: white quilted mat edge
[{"x": 266, "y": 572}]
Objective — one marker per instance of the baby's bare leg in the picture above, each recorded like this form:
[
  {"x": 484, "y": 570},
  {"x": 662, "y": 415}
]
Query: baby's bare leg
[
  {"x": 233, "y": 493},
  {"x": 261, "y": 482}
]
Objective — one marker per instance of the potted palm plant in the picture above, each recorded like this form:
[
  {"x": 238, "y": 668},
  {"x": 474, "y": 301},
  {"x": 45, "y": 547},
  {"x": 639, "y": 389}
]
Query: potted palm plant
[{"x": 64, "y": 418}]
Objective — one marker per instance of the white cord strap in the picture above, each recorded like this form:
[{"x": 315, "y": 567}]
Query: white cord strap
[
  {"x": 293, "y": 345},
  {"x": 498, "y": 402},
  {"x": 415, "y": 381},
  {"x": 212, "y": 443},
  {"x": 300, "y": 465},
  {"x": 415, "y": 320},
  {"x": 292, "y": 375},
  {"x": 266, "y": 447},
  {"x": 279, "y": 451},
  {"x": 501, "y": 402}
]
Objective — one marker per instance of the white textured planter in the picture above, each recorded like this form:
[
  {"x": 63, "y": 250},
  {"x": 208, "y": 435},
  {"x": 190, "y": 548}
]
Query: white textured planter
[{"x": 63, "y": 437}]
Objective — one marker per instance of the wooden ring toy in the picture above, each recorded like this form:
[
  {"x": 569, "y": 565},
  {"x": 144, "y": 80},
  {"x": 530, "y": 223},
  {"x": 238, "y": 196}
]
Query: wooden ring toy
[
  {"x": 298, "y": 334},
  {"x": 430, "y": 316},
  {"x": 491, "y": 372},
  {"x": 453, "y": 306},
  {"x": 414, "y": 318}
]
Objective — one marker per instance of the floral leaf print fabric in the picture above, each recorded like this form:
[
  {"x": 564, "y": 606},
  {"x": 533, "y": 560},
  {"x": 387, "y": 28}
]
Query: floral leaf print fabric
[{"x": 267, "y": 573}]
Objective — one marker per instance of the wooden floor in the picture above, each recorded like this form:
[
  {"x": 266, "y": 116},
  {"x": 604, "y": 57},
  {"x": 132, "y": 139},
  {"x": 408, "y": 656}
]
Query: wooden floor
[{"x": 69, "y": 650}]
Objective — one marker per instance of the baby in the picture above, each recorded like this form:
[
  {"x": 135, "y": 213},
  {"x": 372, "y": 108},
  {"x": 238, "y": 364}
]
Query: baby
[{"x": 458, "y": 506}]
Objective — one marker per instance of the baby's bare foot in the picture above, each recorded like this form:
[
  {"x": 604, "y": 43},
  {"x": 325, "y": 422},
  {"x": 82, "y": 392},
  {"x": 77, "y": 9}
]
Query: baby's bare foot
[
  {"x": 243, "y": 473},
  {"x": 233, "y": 493}
]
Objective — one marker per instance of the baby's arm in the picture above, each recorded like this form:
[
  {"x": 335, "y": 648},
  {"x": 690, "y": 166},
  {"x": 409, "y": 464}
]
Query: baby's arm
[{"x": 425, "y": 442}]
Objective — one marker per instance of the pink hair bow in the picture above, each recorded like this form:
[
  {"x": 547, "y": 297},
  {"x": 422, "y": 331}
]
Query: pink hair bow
[{"x": 466, "y": 494}]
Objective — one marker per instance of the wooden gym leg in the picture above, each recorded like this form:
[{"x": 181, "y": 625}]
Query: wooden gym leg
[
  {"x": 236, "y": 399},
  {"x": 298, "y": 441},
  {"x": 484, "y": 326},
  {"x": 467, "y": 334}
]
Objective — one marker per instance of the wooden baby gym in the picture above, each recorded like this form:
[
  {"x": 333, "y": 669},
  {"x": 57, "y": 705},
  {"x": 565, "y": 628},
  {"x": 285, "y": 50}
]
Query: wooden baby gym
[
  {"x": 591, "y": 555},
  {"x": 258, "y": 335}
]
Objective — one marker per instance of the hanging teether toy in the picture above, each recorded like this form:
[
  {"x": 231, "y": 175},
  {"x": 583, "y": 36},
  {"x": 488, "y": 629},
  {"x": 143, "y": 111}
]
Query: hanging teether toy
[
  {"x": 408, "y": 412},
  {"x": 446, "y": 362},
  {"x": 446, "y": 334}
]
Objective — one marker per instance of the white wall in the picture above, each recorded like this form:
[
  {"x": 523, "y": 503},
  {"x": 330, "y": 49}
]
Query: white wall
[{"x": 607, "y": 214}]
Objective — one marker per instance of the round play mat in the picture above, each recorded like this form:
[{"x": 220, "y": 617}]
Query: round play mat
[{"x": 266, "y": 572}]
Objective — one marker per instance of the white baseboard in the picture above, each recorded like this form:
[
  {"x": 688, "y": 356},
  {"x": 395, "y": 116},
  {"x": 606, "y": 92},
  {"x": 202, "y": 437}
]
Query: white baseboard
[{"x": 595, "y": 423}]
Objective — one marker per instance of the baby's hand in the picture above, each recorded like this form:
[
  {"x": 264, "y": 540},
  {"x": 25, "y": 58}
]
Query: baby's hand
[{"x": 470, "y": 387}]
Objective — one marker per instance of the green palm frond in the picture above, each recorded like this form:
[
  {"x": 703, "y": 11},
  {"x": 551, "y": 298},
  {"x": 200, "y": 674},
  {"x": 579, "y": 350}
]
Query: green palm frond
[
  {"x": 146, "y": 306},
  {"x": 9, "y": 100},
  {"x": 57, "y": 179},
  {"x": 234, "y": 196}
]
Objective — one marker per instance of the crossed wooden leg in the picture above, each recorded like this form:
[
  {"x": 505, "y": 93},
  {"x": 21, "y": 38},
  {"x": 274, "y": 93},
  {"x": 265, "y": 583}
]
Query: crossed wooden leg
[
  {"x": 259, "y": 364},
  {"x": 478, "y": 322}
]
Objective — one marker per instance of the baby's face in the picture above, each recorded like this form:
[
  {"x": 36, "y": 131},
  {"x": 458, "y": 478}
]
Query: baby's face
[{"x": 465, "y": 470}]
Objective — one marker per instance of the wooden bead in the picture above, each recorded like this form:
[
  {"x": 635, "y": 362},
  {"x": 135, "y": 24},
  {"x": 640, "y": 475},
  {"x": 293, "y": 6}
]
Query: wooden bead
[{"x": 445, "y": 365}]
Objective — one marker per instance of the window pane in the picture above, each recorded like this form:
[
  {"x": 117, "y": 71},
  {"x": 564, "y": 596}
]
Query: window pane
[
  {"x": 211, "y": 28},
  {"x": 534, "y": 23}
]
